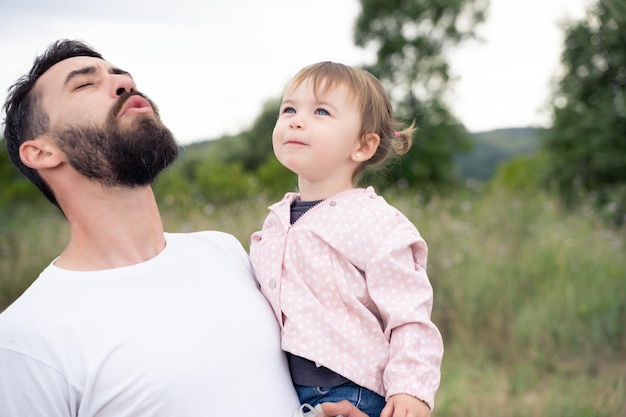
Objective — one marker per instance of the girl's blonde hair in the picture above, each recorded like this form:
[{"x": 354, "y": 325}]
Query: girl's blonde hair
[{"x": 374, "y": 106}]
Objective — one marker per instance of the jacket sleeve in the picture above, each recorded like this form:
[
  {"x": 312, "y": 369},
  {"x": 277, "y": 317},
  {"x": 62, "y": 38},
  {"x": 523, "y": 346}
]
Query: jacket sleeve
[{"x": 399, "y": 286}]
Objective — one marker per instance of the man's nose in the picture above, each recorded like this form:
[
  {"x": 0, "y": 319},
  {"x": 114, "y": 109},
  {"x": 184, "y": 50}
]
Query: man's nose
[
  {"x": 123, "y": 84},
  {"x": 121, "y": 91}
]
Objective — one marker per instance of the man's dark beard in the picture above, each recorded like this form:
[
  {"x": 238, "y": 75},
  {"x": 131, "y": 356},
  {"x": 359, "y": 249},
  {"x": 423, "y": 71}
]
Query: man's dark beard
[{"x": 130, "y": 157}]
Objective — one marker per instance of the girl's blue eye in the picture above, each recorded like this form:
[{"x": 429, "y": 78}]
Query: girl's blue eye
[
  {"x": 289, "y": 110},
  {"x": 322, "y": 112}
]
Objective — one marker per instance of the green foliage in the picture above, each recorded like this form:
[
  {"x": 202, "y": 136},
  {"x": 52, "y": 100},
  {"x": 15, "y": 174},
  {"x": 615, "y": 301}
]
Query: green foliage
[
  {"x": 221, "y": 183},
  {"x": 258, "y": 140},
  {"x": 31, "y": 236},
  {"x": 491, "y": 148},
  {"x": 176, "y": 185},
  {"x": 412, "y": 38},
  {"x": 250, "y": 148},
  {"x": 430, "y": 163},
  {"x": 586, "y": 146},
  {"x": 532, "y": 296},
  {"x": 219, "y": 149},
  {"x": 529, "y": 297},
  {"x": 198, "y": 181},
  {"x": 521, "y": 173},
  {"x": 275, "y": 179},
  {"x": 230, "y": 168},
  {"x": 15, "y": 188}
]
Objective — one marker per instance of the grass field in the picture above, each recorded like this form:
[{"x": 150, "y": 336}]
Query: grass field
[{"x": 531, "y": 299}]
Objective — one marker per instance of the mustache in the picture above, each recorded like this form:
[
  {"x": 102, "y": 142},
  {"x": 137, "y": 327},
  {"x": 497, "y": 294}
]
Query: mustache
[{"x": 117, "y": 107}]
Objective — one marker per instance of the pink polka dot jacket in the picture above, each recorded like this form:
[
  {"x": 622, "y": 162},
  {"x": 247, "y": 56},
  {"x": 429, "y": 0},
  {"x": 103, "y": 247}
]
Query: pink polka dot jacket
[{"x": 348, "y": 285}]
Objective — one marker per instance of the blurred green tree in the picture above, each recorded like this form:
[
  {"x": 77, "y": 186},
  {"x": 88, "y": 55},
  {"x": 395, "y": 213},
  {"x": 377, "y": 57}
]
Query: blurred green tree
[
  {"x": 586, "y": 148},
  {"x": 15, "y": 187},
  {"x": 253, "y": 150},
  {"x": 412, "y": 39},
  {"x": 254, "y": 145}
]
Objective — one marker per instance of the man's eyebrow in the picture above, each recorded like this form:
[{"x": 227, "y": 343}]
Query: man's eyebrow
[
  {"x": 92, "y": 70},
  {"x": 119, "y": 71},
  {"x": 79, "y": 72}
]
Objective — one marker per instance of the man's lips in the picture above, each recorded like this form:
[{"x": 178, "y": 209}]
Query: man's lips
[{"x": 135, "y": 104}]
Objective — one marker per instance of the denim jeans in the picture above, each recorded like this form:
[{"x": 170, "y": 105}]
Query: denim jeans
[{"x": 365, "y": 400}]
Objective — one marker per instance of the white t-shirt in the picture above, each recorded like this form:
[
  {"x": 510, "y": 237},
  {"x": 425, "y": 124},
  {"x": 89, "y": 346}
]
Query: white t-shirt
[{"x": 184, "y": 334}]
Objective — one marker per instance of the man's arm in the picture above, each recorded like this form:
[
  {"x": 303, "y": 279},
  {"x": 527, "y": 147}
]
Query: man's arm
[{"x": 342, "y": 408}]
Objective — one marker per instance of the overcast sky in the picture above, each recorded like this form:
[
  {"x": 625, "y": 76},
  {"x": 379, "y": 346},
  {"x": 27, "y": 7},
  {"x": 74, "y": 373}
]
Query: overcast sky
[{"x": 210, "y": 65}]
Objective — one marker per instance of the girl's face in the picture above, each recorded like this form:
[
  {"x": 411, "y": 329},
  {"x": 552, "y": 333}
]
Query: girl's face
[{"x": 318, "y": 139}]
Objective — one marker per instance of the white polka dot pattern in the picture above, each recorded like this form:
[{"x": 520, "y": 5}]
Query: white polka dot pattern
[{"x": 348, "y": 285}]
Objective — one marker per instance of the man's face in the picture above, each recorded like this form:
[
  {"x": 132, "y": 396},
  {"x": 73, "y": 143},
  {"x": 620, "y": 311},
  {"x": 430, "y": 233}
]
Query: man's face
[{"x": 109, "y": 131}]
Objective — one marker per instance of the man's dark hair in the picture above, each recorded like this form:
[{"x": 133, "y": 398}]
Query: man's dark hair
[{"x": 25, "y": 118}]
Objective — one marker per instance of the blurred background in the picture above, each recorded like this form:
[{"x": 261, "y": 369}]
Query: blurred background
[
  {"x": 516, "y": 179},
  {"x": 210, "y": 65}
]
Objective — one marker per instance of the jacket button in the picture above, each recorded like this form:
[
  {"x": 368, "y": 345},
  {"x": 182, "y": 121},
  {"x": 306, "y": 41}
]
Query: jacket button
[{"x": 271, "y": 283}]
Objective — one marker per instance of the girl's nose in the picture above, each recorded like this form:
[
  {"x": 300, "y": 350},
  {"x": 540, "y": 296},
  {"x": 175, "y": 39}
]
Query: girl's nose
[{"x": 297, "y": 123}]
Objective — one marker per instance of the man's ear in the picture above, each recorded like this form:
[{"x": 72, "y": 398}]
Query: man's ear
[
  {"x": 367, "y": 148},
  {"x": 40, "y": 153}
]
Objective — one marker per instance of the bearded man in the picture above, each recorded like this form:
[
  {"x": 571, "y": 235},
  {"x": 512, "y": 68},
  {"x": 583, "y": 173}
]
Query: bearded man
[{"x": 128, "y": 320}]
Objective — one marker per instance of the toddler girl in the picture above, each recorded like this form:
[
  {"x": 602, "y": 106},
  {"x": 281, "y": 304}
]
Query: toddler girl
[{"x": 344, "y": 271}]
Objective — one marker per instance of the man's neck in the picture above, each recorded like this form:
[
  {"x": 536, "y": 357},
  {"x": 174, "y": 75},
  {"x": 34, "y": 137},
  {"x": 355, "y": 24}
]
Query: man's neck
[{"x": 111, "y": 230}]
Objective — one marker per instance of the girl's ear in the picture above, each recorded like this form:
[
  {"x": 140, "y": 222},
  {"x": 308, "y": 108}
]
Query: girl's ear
[
  {"x": 367, "y": 148},
  {"x": 40, "y": 153}
]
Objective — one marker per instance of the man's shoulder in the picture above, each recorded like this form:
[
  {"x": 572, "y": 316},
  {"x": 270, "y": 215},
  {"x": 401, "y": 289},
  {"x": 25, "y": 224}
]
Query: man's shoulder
[
  {"x": 207, "y": 244},
  {"x": 203, "y": 237}
]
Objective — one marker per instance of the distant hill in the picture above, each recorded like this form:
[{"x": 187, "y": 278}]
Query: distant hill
[
  {"x": 493, "y": 147},
  {"x": 480, "y": 163}
]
